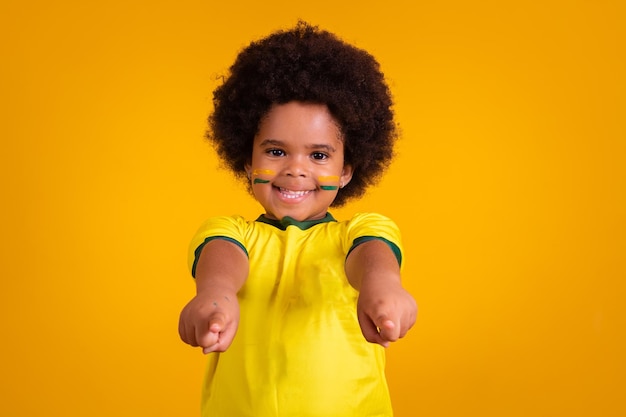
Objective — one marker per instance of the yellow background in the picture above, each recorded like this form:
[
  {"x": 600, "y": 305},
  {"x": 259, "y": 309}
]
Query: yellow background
[{"x": 509, "y": 187}]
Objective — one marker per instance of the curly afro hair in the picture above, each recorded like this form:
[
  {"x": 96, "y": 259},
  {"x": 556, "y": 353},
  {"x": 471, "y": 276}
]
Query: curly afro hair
[{"x": 308, "y": 65}]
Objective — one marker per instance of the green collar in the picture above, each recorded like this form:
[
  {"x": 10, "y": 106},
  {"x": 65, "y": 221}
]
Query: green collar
[{"x": 288, "y": 221}]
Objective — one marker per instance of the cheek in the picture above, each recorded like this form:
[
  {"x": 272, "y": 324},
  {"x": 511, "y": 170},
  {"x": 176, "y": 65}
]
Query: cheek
[
  {"x": 329, "y": 182},
  {"x": 262, "y": 176},
  {"x": 263, "y": 172}
]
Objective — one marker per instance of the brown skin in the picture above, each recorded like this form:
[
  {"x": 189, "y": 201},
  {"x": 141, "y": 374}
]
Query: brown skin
[
  {"x": 386, "y": 311},
  {"x": 298, "y": 142},
  {"x": 211, "y": 318}
]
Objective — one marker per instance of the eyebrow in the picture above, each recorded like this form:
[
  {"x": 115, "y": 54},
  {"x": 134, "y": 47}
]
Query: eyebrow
[{"x": 276, "y": 142}]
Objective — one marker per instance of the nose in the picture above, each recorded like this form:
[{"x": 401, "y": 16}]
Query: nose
[{"x": 295, "y": 166}]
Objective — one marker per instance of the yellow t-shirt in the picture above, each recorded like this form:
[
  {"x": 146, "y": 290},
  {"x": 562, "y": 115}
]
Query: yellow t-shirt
[{"x": 299, "y": 350}]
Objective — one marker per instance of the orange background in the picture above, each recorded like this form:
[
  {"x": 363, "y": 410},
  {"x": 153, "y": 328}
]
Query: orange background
[{"x": 509, "y": 187}]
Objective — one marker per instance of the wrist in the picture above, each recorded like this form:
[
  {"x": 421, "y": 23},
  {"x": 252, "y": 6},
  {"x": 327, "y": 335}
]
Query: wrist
[{"x": 215, "y": 290}]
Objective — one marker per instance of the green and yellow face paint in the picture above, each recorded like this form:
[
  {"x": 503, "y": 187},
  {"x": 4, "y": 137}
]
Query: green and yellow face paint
[
  {"x": 258, "y": 175},
  {"x": 329, "y": 182}
]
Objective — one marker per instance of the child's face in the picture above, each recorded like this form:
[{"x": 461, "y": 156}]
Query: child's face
[{"x": 297, "y": 161}]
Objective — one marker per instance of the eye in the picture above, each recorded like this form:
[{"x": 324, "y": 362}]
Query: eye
[
  {"x": 275, "y": 152},
  {"x": 320, "y": 156}
]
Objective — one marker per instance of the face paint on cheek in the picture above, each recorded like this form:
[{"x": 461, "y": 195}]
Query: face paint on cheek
[
  {"x": 263, "y": 171},
  {"x": 328, "y": 179},
  {"x": 258, "y": 172}
]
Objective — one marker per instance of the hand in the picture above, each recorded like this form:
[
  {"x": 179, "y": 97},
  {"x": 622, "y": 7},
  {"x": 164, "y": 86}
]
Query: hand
[
  {"x": 385, "y": 311},
  {"x": 210, "y": 321}
]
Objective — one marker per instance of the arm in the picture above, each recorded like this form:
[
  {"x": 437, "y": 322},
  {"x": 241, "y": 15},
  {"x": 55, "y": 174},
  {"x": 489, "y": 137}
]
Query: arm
[
  {"x": 211, "y": 318},
  {"x": 386, "y": 311}
]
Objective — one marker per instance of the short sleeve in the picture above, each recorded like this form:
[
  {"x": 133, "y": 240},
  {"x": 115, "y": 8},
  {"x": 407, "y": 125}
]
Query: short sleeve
[
  {"x": 231, "y": 228},
  {"x": 367, "y": 226}
]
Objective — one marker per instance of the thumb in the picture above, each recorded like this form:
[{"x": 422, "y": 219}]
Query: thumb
[
  {"x": 208, "y": 335},
  {"x": 387, "y": 329},
  {"x": 217, "y": 323},
  {"x": 371, "y": 331}
]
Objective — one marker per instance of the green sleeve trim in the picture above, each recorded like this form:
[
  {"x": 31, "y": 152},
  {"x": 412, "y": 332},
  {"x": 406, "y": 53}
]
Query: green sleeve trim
[
  {"x": 198, "y": 250},
  {"x": 394, "y": 248}
]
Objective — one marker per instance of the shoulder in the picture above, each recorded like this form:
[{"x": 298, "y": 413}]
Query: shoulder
[
  {"x": 367, "y": 226},
  {"x": 223, "y": 222},
  {"x": 369, "y": 217},
  {"x": 232, "y": 227},
  {"x": 372, "y": 224}
]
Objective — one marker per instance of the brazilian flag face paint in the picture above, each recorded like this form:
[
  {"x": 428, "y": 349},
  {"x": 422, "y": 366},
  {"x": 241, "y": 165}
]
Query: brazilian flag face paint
[
  {"x": 259, "y": 173},
  {"x": 329, "y": 182}
]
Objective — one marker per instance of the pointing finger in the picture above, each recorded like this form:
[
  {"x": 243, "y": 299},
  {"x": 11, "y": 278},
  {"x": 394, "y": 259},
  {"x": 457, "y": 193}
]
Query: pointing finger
[{"x": 388, "y": 330}]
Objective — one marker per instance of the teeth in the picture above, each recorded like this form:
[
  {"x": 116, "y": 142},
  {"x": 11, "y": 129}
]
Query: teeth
[{"x": 292, "y": 194}]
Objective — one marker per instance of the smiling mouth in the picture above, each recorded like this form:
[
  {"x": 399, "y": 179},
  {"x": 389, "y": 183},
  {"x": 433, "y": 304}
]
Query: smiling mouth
[{"x": 292, "y": 194}]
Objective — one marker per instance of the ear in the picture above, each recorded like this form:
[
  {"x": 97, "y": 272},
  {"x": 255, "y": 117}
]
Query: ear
[
  {"x": 248, "y": 169},
  {"x": 346, "y": 175}
]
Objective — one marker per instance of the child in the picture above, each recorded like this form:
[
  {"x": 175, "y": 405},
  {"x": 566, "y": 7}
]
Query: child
[{"x": 296, "y": 306}]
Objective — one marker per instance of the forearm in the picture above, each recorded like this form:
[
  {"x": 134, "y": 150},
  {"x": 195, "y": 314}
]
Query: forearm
[
  {"x": 222, "y": 266},
  {"x": 210, "y": 319},
  {"x": 386, "y": 311},
  {"x": 372, "y": 263}
]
